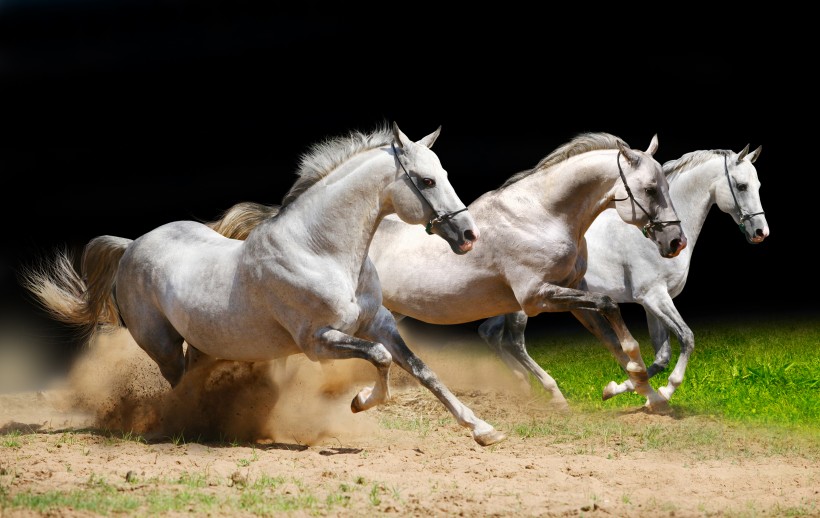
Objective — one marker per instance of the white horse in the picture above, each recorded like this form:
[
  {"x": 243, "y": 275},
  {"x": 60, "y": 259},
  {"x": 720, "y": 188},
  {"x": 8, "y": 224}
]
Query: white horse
[
  {"x": 299, "y": 283},
  {"x": 624, "y": 266},
  {"x": 532, "y": 255}
]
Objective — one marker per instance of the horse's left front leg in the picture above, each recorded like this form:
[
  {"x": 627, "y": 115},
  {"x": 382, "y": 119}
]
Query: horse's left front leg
[{"x": 383, "y": 329}]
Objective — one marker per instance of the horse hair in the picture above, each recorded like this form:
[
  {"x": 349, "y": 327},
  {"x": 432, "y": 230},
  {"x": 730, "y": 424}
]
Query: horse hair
[
  {"x": 324, "y": 156},
  {"x": 581, "y": 143}
]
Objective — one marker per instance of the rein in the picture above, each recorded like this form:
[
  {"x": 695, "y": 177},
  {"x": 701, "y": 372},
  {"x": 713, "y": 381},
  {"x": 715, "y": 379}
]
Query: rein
[
  {"x": 743, "y": 215},
  {"x": 439, "y": 217},
  {"x": 653, "y": 224}
]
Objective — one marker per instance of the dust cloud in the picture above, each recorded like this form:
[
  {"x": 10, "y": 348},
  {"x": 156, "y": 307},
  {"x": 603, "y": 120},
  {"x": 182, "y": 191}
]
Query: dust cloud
[{"x": 293, "y": 402}]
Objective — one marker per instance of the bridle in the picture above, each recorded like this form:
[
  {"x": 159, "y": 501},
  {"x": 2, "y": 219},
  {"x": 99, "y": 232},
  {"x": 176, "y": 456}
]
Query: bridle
[
  {"x": 439, "y": 217},
  {"x": 744, "y": 216},
  {"x": 653, "y": 224}
]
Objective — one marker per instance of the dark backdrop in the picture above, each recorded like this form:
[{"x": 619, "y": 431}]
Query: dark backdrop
[{"x": 120, "y": 116}]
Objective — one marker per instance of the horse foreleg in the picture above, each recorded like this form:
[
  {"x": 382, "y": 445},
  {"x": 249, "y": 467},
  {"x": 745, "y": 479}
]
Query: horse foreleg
[
  {"x": 635, "y": 367},
  {"x": 551, "y": 297},
  {"x": 384, "y": 330},
  {"x": 505, "y": 335},
  {"x": 665, "y": 312},
  {"x": 605, "y": 333},
  {"x": 331, "y": 344}
]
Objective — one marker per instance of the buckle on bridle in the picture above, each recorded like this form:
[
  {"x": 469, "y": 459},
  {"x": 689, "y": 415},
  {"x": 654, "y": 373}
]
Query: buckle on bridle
[
  {"x": 657, "y": 225},
  {"x": 442, "y": 217}
]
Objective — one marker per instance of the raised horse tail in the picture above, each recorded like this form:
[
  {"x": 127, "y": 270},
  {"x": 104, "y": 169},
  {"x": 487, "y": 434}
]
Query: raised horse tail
[
  {"x": 85, "y": 301},
  {"x": 238, "y": 221}
]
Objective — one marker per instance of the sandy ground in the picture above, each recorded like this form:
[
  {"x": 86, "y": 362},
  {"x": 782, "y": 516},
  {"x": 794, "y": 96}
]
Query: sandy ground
[{"x": 234, "y": 424}]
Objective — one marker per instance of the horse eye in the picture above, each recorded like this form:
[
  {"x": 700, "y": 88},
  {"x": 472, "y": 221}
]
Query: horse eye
[
  {"x": 428, "y": 182},
  {"x": 742, "y": 187},
  {"x": 651, "y": 191}
]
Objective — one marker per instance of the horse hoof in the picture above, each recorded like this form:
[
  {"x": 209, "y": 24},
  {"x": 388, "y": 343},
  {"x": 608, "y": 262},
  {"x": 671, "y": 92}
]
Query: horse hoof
[
  {"x": 610, "y": 390},
  {"x": 359, "y": 402},
  {"x": 658, "y": 407},
  {"x": 559, "y": 404},
  {"x": 491, "y": 437},
  {"x": 666, "y": 392}
]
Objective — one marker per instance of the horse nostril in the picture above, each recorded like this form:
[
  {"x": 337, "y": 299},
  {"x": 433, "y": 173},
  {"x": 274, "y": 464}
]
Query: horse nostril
[
  {"x": 470, "y": 235},
  {"x": 759, "y": 232},
  {"x": 676, "y": 244}
]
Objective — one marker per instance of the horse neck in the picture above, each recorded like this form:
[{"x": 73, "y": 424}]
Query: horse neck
[
  {"x": 692, "y": 192},
  {"x": 339, "y": 214},
  {"x": 575, "y": 191}
]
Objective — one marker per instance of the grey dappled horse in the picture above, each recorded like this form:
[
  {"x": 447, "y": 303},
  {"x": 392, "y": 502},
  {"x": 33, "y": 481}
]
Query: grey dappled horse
[{"x": 299, "y": 283}]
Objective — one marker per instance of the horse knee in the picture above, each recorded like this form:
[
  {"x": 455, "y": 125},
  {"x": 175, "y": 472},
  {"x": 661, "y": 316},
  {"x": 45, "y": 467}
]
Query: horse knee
[
  {"x": 380, "y": 357},
  {"x": 630, "y": 346}
]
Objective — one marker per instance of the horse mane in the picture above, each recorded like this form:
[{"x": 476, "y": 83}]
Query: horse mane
[
  {"x": 581, "y": 143},
  {"x": 675, "y": 167},
  {"x": 324, "y": 157}
]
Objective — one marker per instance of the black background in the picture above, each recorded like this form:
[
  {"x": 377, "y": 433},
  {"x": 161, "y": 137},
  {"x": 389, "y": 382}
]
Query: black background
[{"x": 120, "y": 116}]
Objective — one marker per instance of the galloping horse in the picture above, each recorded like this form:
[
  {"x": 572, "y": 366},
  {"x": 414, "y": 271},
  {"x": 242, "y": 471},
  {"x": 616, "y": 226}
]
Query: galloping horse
[
  {"x": 299, "y": 283},
  {"x": 532, "y": 255},
  {"x": 625, "y": 267}
]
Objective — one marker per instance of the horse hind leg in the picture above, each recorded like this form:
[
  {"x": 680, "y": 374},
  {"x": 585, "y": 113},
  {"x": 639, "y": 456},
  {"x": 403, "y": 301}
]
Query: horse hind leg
[
  {"x": 660, "y": 342},
  {"x": 494, "y": 333},
  {"x": 509, "y": 343},
  {"x": 164, "y": 345}
]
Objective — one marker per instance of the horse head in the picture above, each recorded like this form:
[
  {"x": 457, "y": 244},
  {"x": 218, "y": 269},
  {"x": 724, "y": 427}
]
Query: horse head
[
  {"x": 739, "y": 195},
  {"x": 422, "y": 194},
  {"x": 642, "y": 198}
]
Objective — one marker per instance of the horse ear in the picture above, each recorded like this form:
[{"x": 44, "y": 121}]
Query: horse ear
[
  {"x": 653, "y": 145},
  {"x": 430, "y": 139},
  {"x": 629, "y": 154},
  {"x": 742, "y": 154},
  {"x": 754, "y": 154},
  {"x": 399, "y": 136}
]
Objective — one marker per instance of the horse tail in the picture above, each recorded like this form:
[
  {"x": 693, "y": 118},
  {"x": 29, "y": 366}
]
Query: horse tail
[
  {"x": 238, "y": 221},
  {"x": 85, "y": 302}
]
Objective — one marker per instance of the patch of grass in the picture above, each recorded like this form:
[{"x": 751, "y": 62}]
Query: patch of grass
[
  {"x": 764, "y": 373},
  {"x": 11, "y": 439}
]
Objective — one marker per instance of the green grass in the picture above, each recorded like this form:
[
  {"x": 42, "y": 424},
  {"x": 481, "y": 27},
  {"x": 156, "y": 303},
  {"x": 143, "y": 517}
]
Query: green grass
[{"x": 764, "y": 373}]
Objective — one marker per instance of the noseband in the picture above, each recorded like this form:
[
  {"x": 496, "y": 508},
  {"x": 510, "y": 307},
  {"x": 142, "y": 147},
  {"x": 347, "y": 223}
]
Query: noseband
[
  {"x": 439, "y": 217},
  {"x": 653, "y": 224},
  {"x": 743, "y": 215}
]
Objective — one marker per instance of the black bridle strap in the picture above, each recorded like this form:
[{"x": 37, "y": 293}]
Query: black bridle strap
[
  {"x": 439, "y": 217},
  {"x": 743, "y": 215},
  {"x": 652, "y": 225}
]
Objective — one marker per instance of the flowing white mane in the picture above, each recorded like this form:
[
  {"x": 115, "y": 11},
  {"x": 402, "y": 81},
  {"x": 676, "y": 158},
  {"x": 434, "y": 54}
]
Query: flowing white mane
[
  {"x": 673, "y": 168},
  {"x": 324, "y": 157},
  {"x": 581, "y": 143}
]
